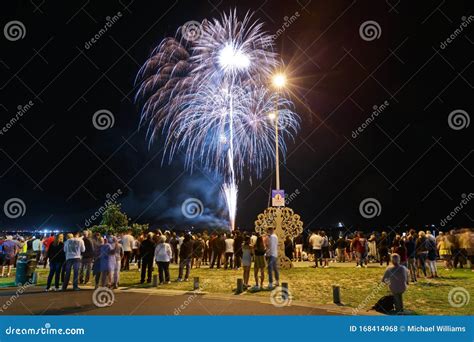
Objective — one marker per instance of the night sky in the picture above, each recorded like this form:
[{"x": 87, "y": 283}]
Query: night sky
[{"x": 412, "y": 158}]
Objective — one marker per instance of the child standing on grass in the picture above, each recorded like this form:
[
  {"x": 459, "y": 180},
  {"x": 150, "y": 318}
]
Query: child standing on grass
[{"x": 246, "y": 260}]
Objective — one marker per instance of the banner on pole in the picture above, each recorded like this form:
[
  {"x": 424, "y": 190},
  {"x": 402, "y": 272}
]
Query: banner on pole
[{"x": 278, "y": 198}]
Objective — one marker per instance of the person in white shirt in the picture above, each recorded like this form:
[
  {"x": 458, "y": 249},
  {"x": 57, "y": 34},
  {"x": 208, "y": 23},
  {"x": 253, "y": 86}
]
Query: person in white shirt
[
  {"x": 272, "y": 258},
  {"x": 36, "y": 245},
  {"x": 163, "y": 256},
  {"x": 73, "y": 248},
  {"x": 229, "y": 251},
  {"x": 127, "y": 244},
  {"x": 316, "y": 241}
]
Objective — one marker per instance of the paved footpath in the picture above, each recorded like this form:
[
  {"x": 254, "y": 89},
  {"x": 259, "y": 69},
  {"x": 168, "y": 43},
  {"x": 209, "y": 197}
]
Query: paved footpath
[{"x": 34, "y": 301}]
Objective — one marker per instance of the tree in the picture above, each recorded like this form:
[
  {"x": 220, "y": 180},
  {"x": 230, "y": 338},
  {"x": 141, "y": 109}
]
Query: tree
[
  {"x": 114, "y": 218},
  {"x": 101, "y": 229},
  {"x": 138, "y": 229}
]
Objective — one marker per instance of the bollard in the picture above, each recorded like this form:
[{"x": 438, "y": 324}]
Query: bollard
[
  {"x": 336, "y": 294},
  {"x": 284, "y": 291},
  {"x": 155, "y": 280},
  {"x": 196, "y": 284},
  {"x": 34, "y": 279},
  {"x": 240, "y": 285}
]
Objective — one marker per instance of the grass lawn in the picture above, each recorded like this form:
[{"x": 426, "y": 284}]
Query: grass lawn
[{"x": 358, "y": 286}]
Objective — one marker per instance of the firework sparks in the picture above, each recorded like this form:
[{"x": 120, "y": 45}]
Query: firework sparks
[{"x": 208, "y": 97}]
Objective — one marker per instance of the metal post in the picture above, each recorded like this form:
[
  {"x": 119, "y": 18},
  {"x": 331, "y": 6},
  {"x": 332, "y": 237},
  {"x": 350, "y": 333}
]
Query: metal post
[
  {"x": 240, "y": 285},
  {"x": 155, "y": 279},
  {"x": 196, "y": 284},
  {"x": 284, "y": 291},
  {"x": 336, "y": 294}
]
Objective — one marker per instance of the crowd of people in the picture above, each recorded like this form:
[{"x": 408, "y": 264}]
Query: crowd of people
[
  {"x": 418, "y": 251},
  {"x": 99, "y": 260}
]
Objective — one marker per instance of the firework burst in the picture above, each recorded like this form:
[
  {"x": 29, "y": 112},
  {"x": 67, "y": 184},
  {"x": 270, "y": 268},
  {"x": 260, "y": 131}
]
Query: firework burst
[{"x": 208, "y": 98}]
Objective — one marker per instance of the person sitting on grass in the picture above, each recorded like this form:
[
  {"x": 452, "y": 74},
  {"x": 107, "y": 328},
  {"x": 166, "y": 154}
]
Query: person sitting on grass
[{"x": 396, "y": 277}]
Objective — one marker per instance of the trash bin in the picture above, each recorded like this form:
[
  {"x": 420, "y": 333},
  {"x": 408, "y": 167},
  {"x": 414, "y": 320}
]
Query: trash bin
[{"x": 25, "y": 268}]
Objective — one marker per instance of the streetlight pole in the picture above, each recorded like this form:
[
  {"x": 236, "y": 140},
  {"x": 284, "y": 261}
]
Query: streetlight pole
[
  {"x": 277, "y": 152},
  {"x": 279, "y": 81}
]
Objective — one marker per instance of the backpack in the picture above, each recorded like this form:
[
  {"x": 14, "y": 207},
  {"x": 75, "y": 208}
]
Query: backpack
[{"x": 385, "y": 305}]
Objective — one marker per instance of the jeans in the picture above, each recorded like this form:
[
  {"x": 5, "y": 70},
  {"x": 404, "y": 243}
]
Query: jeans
[
  {"x": 147, "y": 264},
  {"x": 228, "y": 260},
  {"x": 184, "y": 263},
  {"x": 412, "y": 268},
  {"x": 86, "y": 266},
  {"x": 163, "y": 271},
  {"x": 422, "y": 261},
  {"x": 54, "y": 270},
  {"x": 238, "y": 260},
  {"x": 398, "y": 299},
  {"x": 216, "y": 256},
  {"x": 273, "y": 268},
  {"x": 74, "y": 264},
  {"x": 126, "y": 260}
]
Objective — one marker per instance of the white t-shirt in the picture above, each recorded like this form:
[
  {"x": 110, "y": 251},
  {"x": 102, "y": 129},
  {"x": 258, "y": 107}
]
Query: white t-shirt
[
  {"x": 316, "y": 241},
  {"x": 229, "y": 245},
  {"x": 272, "y": 245},
  {"x": 127, "y": 243}
]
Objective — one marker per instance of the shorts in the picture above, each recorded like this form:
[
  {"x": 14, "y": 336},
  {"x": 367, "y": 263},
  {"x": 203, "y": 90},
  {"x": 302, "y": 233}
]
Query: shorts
[
  {"x": 325, "y": 252},
  {"x": 8, "y": 261},
  {"x": 259, "y": 261}
]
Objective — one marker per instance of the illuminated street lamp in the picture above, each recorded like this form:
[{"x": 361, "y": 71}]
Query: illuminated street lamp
[{"x": 278, "y": 81}]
